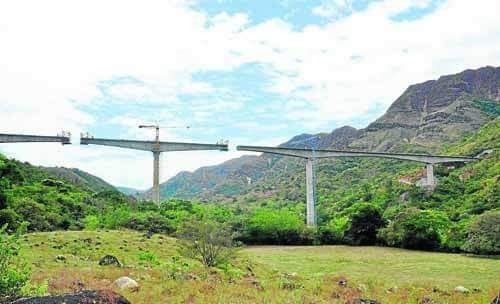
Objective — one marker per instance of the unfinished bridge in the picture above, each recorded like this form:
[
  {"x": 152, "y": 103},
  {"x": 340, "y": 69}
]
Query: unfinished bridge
[
  {"x": 310, "y": 154},
  {"x": 157, "y": 147}
]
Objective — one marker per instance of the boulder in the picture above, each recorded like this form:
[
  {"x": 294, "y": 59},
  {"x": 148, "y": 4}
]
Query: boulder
[
  {"x": 60, "y": 258},
  {"x": 84, "y": 297},
  {"x": 461, "y": 289},
  {"x": 127, "y": 283},
  {"x": 109, "y": 260},
  {"x": 365, "y": 301}
]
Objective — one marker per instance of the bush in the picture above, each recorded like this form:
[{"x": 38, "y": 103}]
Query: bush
[
  {"x": 483, "y": 236},
  {"x": 91, "y": 222},
  {"x": 13, "y": 276},
  {"x": 333, "y": 233},
  {"x": 364, "y": 223},
  {"x": 456, "y": 236},
  {"x": 275, "y": 226},
  {"x": 416, "y": 229},
  {"x": 208, "y": 241},
  {"x": 150, "y": 221}
]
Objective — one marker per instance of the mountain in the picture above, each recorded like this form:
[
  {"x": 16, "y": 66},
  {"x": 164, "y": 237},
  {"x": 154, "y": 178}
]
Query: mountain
[
  {"x": 79, "y": 178},
  {"x": 435, "y": 111},
  {"x": 129, "y": 191},
  {"x": 424, "y": 118}
]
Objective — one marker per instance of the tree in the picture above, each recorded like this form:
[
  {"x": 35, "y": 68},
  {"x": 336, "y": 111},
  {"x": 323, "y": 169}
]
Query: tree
[
  {"x": 274, "y": 226},
  {"x": 13, "y": 276},
  {"x": 416, "y": 229},
  {"x": 483, "y": 236},
  {"x": 208, "y": 241},
  {"x": 364, "y": 223}
]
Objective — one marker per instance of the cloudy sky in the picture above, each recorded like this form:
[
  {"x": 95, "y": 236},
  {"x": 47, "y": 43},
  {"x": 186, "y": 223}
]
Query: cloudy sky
[{"x": 253, "y": 72}]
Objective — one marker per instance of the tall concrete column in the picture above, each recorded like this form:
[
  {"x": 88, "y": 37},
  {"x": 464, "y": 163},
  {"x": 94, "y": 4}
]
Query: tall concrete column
[
  {"x": 156, "y": 177},
  {"x": 310, "y": 204},
  {"x": 431, "y": 182}
]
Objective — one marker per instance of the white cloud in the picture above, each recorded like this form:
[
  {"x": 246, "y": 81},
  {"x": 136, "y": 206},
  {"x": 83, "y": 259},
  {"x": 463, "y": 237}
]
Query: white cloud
[{"x": 54, "y": 53}]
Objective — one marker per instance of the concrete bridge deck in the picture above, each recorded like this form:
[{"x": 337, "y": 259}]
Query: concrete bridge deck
[
  {"x": 20, "y": 138},
  {"x": 323, "y": 153},
  {"x": 152, "y": 146}
]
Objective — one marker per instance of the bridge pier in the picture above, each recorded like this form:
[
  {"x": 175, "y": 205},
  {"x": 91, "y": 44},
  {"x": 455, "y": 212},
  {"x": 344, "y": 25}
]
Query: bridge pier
[
  {"x": 431, "y": 181},
  {"x": 310, "y": 195},
  {"x": 156, "y": 176}
]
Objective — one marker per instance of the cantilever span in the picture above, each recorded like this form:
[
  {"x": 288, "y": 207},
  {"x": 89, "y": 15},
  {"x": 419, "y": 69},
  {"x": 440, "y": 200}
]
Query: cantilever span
[
  {"x": 153, "y": 146},
  {"x": 20, "y": 138},
  {"x": 157, "y": 147},
  {"x": 310, "y": 155}
]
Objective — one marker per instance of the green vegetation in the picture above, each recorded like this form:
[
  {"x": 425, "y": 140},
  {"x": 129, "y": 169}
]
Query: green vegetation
[
  {"x": 210, "y": 242},
  {"x": 360, "y": 203},
  {"x": 269, "y": 274},
  {"x": 14, "y": 275}
]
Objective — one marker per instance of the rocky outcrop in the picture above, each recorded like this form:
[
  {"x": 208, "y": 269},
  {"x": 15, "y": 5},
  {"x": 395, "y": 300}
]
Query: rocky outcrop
[
  {"x": 433, "y": 112},
  {"x": 84, "y": 297}
]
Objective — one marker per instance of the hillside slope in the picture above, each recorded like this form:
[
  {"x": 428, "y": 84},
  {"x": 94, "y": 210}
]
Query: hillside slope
[
  {"x": 426, "y": 116},
  {"x": 80, "y": 178},
  {"x": 51, "y": 198}
]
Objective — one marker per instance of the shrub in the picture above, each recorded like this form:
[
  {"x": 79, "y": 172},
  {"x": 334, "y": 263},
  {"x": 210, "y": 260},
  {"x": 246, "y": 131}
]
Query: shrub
[
  {"x": 483, "y": 236},
  {"x": 13, "y": 276},
  {"x": 274, "y": 226},
  {"x": 364, "y": 222},
  {"x": 333, "y": 233},
  {"x": 208, "y": 241},
  {"x": 457, "y": 235},
  {"x": 117, "y": 218},
  {"x": 91, "y": 222},
  {"x": 416, "y": 229},
  {"x": 148, "y": 257},
  {"x": 150, "y": 221}
]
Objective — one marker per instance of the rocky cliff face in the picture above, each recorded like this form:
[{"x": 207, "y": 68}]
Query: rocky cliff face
[
  {"x": 434, "y": 112},
  {"x": 422, "y": 119}
]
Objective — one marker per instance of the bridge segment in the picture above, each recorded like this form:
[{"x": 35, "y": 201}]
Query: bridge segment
[
  {"x": 311, "y": 154},
  {"x": 20, "y": 138},
  {"x": 157, "y": 147}
]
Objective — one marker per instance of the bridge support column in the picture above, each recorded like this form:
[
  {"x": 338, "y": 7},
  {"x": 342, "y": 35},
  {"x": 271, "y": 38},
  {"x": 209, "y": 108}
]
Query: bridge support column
[
  {"x": 431, "y": 181},
  {"x": 310, "y": 195},
  {"x": 156, "y": 177}
]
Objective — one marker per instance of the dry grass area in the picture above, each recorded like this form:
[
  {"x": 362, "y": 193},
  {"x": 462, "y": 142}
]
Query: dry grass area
[{"x": 272, "y": 274}]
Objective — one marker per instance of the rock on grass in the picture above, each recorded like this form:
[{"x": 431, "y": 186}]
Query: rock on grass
[{"x": 88, "y": 296}]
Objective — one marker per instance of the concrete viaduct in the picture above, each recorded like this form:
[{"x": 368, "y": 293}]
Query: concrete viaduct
[
  {"x": 157, "y": 147},
  {"x": 311, "y": 154}
]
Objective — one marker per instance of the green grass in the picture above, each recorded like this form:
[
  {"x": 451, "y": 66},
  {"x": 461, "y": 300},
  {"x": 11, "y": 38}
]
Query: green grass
[
  {"x": 386, "y": 274},
  {"x": 391, "y": 266}
]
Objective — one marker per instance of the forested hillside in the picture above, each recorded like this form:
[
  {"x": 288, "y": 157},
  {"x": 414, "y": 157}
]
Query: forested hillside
[{"x": 50, "y": 198}]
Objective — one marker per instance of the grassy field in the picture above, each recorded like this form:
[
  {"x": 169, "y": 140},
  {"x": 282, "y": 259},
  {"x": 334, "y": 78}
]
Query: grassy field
[{"x": 270, "y": 274}]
